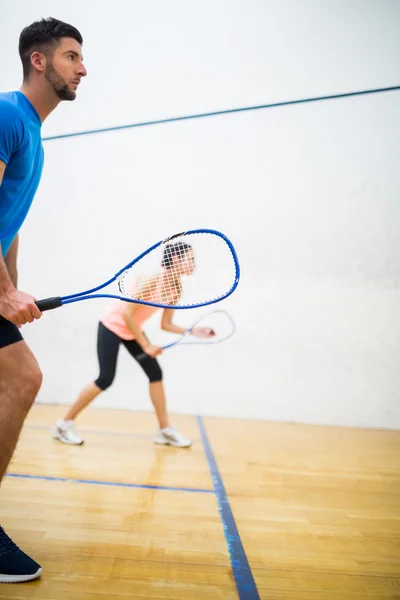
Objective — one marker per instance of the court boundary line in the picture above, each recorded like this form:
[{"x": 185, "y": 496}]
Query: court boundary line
[
  {"x": 217, "y": 113},
  {"x": 110, "y": 483},
  {"x": 245, "y": 584}
]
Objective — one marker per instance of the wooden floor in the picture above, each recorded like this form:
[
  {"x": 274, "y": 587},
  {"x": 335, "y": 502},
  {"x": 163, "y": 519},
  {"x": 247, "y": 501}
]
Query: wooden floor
[{"x": 317, "y": 510}]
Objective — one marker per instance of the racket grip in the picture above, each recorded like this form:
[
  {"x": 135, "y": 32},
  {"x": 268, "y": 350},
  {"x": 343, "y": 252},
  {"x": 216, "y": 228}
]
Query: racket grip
[
  {"x": 49, "y": 303},
  {"x": 45, "y": 304}
]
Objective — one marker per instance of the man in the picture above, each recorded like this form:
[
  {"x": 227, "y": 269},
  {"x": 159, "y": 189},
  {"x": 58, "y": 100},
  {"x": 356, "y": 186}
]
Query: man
[{"x": 51, "y": 55}]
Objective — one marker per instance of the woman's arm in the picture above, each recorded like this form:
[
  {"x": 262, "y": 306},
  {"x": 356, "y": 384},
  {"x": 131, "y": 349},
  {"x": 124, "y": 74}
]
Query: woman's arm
[
  {"x": 166, "y": 322},
  {"x": 167, "y": 325},
  {"x": 129, "y": 318}
]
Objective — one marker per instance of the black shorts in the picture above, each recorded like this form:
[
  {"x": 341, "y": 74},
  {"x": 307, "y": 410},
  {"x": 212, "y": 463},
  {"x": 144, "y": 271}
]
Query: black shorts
[{"x": 9, "y": 334}]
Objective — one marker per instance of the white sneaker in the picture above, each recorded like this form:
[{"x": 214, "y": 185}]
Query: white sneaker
[
  {"x": 173, "y": 437},
  {"x": 65, "y": 432}
]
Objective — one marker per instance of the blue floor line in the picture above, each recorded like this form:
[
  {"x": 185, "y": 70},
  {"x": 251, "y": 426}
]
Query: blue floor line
[
  {"x": 245, "y": 583},
  {"x": 110, "y": 483}
]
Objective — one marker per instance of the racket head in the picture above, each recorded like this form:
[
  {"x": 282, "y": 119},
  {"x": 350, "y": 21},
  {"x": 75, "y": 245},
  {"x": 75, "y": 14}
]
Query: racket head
[
  {"x": 220, "y": 322},
  {"x": 186, "y": 270}
]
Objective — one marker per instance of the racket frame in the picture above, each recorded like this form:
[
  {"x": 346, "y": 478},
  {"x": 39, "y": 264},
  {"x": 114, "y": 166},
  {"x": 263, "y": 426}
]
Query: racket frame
[
  {"x": 89, "y": 294},
  {"x": 188, "y": 331}
]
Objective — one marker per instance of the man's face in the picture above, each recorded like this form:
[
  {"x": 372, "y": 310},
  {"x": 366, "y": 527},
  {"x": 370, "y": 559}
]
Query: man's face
[{"x": 65, "y": 68}]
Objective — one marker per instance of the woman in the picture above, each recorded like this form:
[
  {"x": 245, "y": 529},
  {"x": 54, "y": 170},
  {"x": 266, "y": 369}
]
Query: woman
[{"x": 122, "y": 324}]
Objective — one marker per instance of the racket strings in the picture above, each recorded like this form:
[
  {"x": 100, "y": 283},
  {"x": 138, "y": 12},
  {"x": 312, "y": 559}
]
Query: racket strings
[
  {"x": 198, "y": 268},
  {"x": 219, "y": 322}
]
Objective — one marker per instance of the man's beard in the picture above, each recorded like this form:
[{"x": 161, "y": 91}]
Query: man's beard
[{"x": 58, "y": 83}]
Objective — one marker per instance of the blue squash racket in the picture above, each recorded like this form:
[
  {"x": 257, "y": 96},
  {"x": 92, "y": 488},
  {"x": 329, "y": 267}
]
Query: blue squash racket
[
  {"x": 186, "y": 270},
  {"x": 211, "y": 328}
]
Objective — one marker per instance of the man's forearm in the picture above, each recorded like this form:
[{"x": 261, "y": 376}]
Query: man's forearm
[
  {"x": 6, "y": 283},
  {"x": 10, "y": 261}
]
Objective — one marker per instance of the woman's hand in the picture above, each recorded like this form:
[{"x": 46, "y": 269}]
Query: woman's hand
[
  {"x": 203, "y": 332},
  {"x": 152, "y": 350}
]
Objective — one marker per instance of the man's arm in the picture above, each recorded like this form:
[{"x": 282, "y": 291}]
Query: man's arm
[
  {"x": 6, "y": 283},
  {"x": 15, "y": 306},
  {"x": 10, "y": 260}
]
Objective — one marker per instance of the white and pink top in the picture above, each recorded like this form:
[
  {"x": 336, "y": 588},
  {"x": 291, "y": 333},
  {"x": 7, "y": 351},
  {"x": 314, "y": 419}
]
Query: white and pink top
[{"x": 113, "y": 317}]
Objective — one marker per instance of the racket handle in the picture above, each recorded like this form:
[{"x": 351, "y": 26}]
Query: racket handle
[
  {"x": 49, "y": 303},
  {"x": 45, "y": 304}
]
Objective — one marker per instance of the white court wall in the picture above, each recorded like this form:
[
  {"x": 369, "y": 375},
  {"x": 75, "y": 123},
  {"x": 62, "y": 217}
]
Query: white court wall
[{"x": 308, "y": 194}]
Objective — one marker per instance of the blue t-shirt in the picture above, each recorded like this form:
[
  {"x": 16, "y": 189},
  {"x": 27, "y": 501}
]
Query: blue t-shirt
[{"x": 22, "y": 151}]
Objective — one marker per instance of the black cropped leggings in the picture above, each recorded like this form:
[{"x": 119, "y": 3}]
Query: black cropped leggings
[{"x": 107, "y": 351}]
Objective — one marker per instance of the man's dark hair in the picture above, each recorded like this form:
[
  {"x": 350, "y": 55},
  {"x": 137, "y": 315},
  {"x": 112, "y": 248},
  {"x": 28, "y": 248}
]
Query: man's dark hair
[{"x": 43, "y": 36}]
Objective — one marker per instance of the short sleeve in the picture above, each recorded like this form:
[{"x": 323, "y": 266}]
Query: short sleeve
[{"x": 11, "y": 130}]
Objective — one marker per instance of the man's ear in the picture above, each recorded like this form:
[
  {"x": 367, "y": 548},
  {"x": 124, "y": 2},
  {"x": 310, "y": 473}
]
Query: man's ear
[{"x": 38, "y": 61}]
